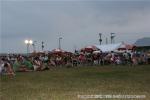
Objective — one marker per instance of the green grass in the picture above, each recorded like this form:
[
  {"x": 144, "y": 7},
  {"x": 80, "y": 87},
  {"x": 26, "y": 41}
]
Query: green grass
[{"x": 67, "y": 83}]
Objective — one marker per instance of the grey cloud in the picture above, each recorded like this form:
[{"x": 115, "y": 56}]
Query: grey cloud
[{"x": 77, "y": 22}]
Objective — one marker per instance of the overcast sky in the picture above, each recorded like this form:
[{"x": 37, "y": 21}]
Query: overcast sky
[{"x": 77, "y": 22}]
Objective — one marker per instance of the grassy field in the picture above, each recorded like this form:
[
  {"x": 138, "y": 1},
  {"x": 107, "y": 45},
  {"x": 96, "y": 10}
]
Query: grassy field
[{"x": 68, "y": 83}]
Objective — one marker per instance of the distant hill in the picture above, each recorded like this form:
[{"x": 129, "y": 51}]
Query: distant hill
[{"x": 143, "y": 42}]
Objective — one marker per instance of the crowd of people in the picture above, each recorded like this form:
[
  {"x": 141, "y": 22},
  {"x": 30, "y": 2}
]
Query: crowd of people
[{"x": 10, "y": 64}]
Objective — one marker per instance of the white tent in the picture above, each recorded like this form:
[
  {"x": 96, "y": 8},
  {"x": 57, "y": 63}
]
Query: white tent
[{"x": 109, "y": 47}]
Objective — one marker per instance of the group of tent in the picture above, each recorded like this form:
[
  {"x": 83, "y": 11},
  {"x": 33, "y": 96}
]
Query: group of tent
[
  {"x": 118, "y": 47},
  {"x": 54, "y": 52}
]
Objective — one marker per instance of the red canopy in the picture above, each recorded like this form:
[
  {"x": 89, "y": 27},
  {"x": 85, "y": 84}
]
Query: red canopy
[
  {"x": 57, "y": 51},
  {"x": 127, "y": 47},
  {"x": 89, "y": 48},
  {"x": 60, "y": 52}
]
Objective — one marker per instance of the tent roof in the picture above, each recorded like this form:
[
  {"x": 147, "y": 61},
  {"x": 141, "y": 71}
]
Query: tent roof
[
  {"x": 125, "y": 46},
  {"x": 109, "y": 47},
  {"x": 143, "y": 42},
  {"x": 57, "y": 51}
]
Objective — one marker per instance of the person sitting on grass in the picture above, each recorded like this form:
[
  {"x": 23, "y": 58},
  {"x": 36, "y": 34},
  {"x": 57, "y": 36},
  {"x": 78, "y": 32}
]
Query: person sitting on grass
[
  {"x": 118, "y": 60},
  {"x": 112, "y": 59},
  {"x": 45, "y": 62},
  {"x": 37, "y": 64},
  {"x": 2, "y": 66},
  {"x": 58, "y": 60},
  {"x": 74, "y": 60},
  {"x": 28, "y": 64},
  {"x": 19, "y": 65},
  {"x": 8, "y": 70},
  {"x": 51, "y": 62},
  {"x": 134, "y": 60},
  {"x": 82, "y": 59}
]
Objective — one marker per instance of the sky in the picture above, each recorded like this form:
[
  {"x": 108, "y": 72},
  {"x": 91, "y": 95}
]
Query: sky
[{"x": 78, "y": 22}]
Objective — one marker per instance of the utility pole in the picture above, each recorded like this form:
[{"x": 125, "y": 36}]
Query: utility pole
[
  {"x": 112, "y": 37},
  {"x": 59, "y": 42},
  {"x": 34, "y": 46},
  {"x": 106, "y": 40},
  {"x": 100, "y": 38},
  {"x": 42, "y": 45}
]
